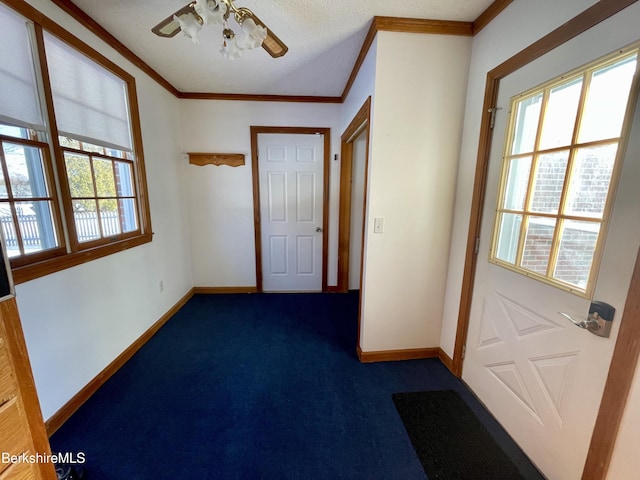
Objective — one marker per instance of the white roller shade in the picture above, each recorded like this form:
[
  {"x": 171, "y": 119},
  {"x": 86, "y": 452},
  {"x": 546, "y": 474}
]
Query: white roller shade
[
  {"x": 19, "y": 100},
  {"x": 90, "y": 102}
]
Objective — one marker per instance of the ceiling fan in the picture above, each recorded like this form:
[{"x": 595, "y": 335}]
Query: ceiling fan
[{"x": 192, "y": 17}]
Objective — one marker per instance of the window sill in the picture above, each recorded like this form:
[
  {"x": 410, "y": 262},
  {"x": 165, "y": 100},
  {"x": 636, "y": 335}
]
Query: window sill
[{"x": 53, "y": 265}]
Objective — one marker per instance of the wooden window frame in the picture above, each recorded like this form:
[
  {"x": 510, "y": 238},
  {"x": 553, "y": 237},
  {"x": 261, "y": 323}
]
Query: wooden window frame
[
  {"x": 76, "y": 253},
  {"x": 74, "y": 240},
  {"x": 585, "y": 73}
]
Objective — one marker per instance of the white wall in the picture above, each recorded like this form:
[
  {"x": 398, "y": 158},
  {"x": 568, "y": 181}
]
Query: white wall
[
  {"x": 518, "y": 26},
  {"x": 420, "y": 83},
  {"x": 80, "y": 319},
  {"x": 363, "y": 87},
  {"x": 220, "y": 198}
]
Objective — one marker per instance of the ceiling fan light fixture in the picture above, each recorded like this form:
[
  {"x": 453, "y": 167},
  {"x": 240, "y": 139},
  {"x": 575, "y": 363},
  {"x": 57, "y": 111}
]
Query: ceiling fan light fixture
[{"x": 190, "y": 19}]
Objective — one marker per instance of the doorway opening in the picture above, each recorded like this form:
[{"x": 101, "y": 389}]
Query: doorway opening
[
  {"x": 353, "y": 194},
  {"x": 354, "y": 152}
]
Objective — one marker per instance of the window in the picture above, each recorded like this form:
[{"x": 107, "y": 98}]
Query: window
[
  {"x": 29, "y": 210},
  {"x": 559, "y": 168},
  {"x": 72, "y": 184},
  {"x": 26, "y": 201},
  {"x": 92, "y": 117},
  {"x": 102, "y": 191}
]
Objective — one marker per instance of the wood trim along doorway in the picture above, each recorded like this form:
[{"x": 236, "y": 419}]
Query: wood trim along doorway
[
  {"x": 359, "y": 124},
  {"x": 627, "y": 349},
  {"x": 326, "y": 133}
]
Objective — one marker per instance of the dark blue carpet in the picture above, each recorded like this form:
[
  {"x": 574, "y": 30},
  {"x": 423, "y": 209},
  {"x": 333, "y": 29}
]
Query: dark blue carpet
[{"x": 259, "y": 386}]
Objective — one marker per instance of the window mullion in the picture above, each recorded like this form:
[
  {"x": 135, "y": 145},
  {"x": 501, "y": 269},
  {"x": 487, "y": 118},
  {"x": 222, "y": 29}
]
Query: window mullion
[
  {"x": 527, "y": 208},
  {"x": 586, "y": 85},
  {"x": 11, "y": 199},
  {"x": 555, "y": 247},
  {"x": 555, "y": 244},
  {"x": 543, "y": 111},
  {"x": 95, "y": 194},
  {"x": 532, "y": 175},
  {"x": 16, "y": 222},
  {"x": 117, "y": 197},
  {"x": 535, "y": 154},
  {"x": 521, "y": 240},
  {"x": 5, "y": 170}
]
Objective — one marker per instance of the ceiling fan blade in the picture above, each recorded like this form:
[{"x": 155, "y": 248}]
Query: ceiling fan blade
[
  {"x": 272, "y": 44},
  {"x": 169, "y": 27}
]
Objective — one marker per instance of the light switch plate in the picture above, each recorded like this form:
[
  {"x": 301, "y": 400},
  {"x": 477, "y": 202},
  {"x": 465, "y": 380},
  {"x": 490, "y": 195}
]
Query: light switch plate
[{"x": 378, "y": 225}]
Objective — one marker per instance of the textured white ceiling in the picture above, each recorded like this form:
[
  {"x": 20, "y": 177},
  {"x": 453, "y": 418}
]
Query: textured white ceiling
[{"x": 324, "y": 39}]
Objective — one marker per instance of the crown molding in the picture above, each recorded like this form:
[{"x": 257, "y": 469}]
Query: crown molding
[
  {"x": 388, "y": 24},
  {"x": 415, "y": 25},
  {"x": 489, "y": 14},
  {"x": 408, "y": 25},
  {"x": 258, "y": 97},
  {"x": 420, "y": 25},
  {"x": 74, "y": 11}
]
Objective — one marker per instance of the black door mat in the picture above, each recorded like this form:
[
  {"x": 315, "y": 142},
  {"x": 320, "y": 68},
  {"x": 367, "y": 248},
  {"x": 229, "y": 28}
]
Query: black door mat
[{"x": 450, "y": 441}]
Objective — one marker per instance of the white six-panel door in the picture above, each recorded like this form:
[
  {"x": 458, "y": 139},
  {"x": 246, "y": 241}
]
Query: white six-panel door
[
  {"x": 541, "y": 376},
  {"x": 291, "y": 211}
]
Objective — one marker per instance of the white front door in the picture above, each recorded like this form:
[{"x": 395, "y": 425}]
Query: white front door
[
  {"x": 291, "y": 170},
  {"x": 541, "y": 376}
]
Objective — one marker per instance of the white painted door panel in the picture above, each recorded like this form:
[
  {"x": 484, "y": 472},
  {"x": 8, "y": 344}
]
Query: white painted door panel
[
  {"x": 291, "y": 202},
  {"x": 539, "y": 375}
]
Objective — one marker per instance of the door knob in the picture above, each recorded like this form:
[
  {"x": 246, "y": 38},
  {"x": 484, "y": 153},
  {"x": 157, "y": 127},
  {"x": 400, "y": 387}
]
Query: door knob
[
  {"x": 598, "y": 321},
  {"x": 588, "y": 324},
  {"x": 318, "y": 229}
]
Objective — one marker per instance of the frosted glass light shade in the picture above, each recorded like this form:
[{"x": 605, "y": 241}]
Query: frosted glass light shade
[
  {"x": 190, "y": 26},
  {"x": 255, "y": 34},
  {"x": 230, "y": 49},
  {"x": 212, "y": 12}
]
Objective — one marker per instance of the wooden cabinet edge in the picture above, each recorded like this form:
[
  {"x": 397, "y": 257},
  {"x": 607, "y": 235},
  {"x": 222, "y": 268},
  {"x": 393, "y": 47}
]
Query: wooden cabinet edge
[
  {"x": 11, "y": 331},
  {"x": 230, "y": 159}
]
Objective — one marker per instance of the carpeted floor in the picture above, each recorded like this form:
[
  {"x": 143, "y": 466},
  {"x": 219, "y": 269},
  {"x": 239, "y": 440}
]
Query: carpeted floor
[{"x": 260, "y": 386}]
